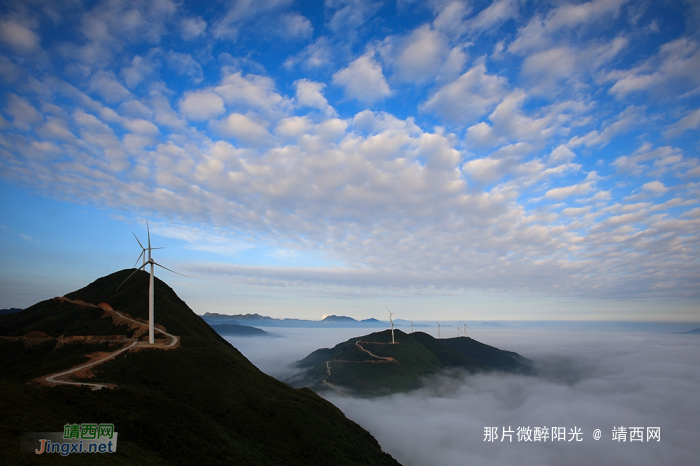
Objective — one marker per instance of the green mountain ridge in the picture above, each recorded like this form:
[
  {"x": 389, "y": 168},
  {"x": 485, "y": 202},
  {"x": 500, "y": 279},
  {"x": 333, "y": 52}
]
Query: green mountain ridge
[
  {"x": 371, "y": 365},
  {"x": 201, "y": 403}
]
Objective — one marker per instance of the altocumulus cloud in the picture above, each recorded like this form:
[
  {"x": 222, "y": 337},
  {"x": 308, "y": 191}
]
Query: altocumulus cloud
[{"x": 419, "y": 155}]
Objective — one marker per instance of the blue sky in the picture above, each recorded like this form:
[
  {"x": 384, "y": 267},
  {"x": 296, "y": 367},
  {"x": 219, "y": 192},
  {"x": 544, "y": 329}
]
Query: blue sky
[{"x": 503, "y": 160}]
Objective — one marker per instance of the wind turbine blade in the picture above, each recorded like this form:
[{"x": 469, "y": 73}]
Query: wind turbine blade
[
  {"x": 144, "y": 265},
  {"x": 138, "y": 240},
  {"x": 149, "y": 234},
  {"x": 139, "y": 258},
  {"x": 162, "y": 266}
]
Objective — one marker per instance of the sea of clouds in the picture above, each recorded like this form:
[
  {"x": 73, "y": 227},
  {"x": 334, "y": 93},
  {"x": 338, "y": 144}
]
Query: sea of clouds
[{"x": 588, "y": 380}]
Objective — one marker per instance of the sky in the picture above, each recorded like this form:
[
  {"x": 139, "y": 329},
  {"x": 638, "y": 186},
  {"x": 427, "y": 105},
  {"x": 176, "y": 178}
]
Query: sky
[
  {"x": 447, "y": 159},
  {"x": 587, "y": 380}
]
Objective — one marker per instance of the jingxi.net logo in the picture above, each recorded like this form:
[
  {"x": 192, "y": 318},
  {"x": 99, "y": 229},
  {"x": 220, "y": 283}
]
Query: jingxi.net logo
[{"x": 75, "y": 438}]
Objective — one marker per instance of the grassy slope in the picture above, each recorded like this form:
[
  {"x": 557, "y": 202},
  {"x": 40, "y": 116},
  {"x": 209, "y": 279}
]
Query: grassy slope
[{"x": 201, "y": 403}]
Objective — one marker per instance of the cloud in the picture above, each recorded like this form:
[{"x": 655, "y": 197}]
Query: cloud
[
  {"x": 244, "y": 129},
  {"x": 655, "y": 187},
  {"x": 566, "y": 191},
  {"x": 18, "y": 36},
  {"x": 296, "y": 26},
  {"x": 588, "y": 380},
  {"x": 349, "y": 15},
  {"x": 309, "y": 94},
  {"x": 363, "y": 80},
  {"x": 690, "y": 121},
  {"x": 202, "y": 105},
  {"x": 675, "y": 68},
  {"x": 106, "y": 85},
  {"x": 193, "y": 28},
  {"x": 630, "y": 117},
  {"x": 417, "y": 57},
  {"x": 252, "y": 92},
  {"x": 243, "y": 13},
  {"x": 184, "y": 65},
  {"x": 24, "y": 115},
  {"x": 469, "y": 97}
]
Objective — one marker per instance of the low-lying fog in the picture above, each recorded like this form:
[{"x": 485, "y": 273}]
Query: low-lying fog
[{"x": 589, "y": 380}]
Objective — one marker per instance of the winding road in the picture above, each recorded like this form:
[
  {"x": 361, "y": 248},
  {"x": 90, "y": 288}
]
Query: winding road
[{"x": 134, "y": 343}]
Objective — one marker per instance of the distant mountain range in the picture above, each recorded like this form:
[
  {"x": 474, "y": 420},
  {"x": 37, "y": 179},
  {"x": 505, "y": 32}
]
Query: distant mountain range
[
  {"x": 12, "y": 310},
  {"x": 235, "y": 330},
  {"x": 695, "y": 331},
  {"x": 371, "y": 365},
  {"x": 264, "y": 321},
  {"x": 198, "y": 402}
]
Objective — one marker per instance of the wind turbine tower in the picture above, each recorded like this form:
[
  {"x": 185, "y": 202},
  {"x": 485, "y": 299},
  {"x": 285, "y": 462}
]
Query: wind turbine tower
[
  {"x": 151, "y": 325},
  {"x": 438, "y": 328},
  {"x": 392, "y": 325},
  {"x": 411, "y": 325}
]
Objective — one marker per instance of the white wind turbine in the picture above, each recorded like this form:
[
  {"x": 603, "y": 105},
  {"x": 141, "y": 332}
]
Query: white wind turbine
[
  {"x": 392, "y": 325},
  {"x": 465, "y": 328},
  {"x": 151, "y": 331},
  {"x": 411, "y": 324},
  {"x": 459, "y": 331},
  {"x": 438, "y": 328}
]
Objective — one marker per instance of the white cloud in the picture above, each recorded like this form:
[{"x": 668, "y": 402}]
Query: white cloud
[
  {"x": 242, "y": 13},
  {"x": 18, "y": 36},
  {"x": 309, "y": 94},
  {"x": 252, "y": 92},
  {"x": 363, "y": 80},
  {"x": 24, "y": 115},
  {"x": 567, "y": 191},
  {"x": 690, "y": 121},
  {"x": 193, "y": 28},
  {"x": 417, "y": 57},
  {"x": 244, "y": 130},
  {"x": 106, "y": 85},
  {"x": 676, "y": 67},
  {"x": 497, "y": 12},
  {"x": 349, "y": 15},
  {"x": 202, "y": 105},
  {"x": 184, "y": 65},
  {"x": 469, "y": 97},
  {"x": 655, "y": 187},
  {"x": 296, "y": 26},
  {"x": 630, "y": 117}
]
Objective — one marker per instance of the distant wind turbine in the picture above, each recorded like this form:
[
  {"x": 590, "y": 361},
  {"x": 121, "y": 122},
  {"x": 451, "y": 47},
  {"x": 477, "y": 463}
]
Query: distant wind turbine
[
  {"x": 151, "y": 331},
  {"x": 411, "y": 324},
  {"x": 465, "y": 328},
  {"x": 392, "y": 325},
  {"x": 438, "y": 328},
  {"x": 459, "y": 331}
]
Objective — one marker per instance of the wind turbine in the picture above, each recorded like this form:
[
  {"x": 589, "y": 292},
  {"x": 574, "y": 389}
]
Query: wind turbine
[
  {"x": 411, "y": 325},
  {"x": 143, "y": 250},
  {"x": 151, "y": 331},
  {"x": 459, "y": 331},
  {"x": 392, "y": 325},
  {"x": 438, "y": 328},
  {"x": 465, "y": 328}
]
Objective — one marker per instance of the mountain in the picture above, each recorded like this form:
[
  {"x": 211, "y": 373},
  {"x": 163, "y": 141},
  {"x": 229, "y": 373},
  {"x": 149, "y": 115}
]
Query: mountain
[
  {"x": 265, "y": 321},
  {"x": 695, "y": 331},
  {"x": 233, "y": 330},
  {"x": 198, "y": 402},
  {"x": 371, "y": 365},
  {"x": 12, "y": 310}
]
